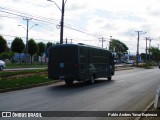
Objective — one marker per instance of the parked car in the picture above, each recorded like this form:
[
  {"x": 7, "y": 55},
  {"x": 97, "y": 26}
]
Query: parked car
[
  {"x": 2, "y": 65},
  {"x": 130, "y": 62}
]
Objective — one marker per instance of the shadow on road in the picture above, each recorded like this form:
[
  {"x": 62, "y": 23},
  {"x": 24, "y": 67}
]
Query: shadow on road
[{"x": 63, "y": 89}]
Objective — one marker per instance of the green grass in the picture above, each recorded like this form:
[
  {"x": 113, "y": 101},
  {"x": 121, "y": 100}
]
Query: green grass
[
  {"x": 146, "y": 66},
  {"x": 5, "y": 74},
  {"x": 19, "y": 83},
  {"x": 23, "y": 65}
]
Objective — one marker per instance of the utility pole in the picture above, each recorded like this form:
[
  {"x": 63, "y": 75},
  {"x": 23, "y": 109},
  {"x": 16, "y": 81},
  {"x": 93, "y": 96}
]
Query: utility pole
[
  {"x": 62, "y": 23},
  {"x": 137, "y": 55},
  {"x": 71, "y": 41},
  {"x": 147, "y": 38},
  {"x": 62, "y": 18},
  {"x": 109, "y": 46},
  {"x": 102, "y": 40},
  {"x": 27, "y": 20},
  {"x": 149, "y": 50},
  {"x": 66, "y": 40}
]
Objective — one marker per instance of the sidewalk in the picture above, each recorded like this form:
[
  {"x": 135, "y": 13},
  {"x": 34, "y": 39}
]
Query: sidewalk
[{"x": 152, "y": 109}]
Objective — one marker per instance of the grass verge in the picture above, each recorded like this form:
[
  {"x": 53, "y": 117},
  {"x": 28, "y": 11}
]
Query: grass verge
[
  {"x": 23, "y": 65},
  {"x": 146, "y": 66},
  {"x": 5, "y": 74},
  {"x": 27, "y": 81}
]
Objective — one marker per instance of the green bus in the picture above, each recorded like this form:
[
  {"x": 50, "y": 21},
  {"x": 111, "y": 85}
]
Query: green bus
[{"x": 80, "y": 62}]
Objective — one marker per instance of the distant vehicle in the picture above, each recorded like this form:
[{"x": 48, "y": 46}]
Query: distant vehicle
[
  {"x": 22, "y": 57},
  {"x": 79, "y": 62},
  {"x": 130, "y": 62},
  {"x": 2, "y": 65}
]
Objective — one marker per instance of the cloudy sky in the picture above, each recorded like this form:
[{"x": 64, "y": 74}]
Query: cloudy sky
[{"x": 85, "y": 21}]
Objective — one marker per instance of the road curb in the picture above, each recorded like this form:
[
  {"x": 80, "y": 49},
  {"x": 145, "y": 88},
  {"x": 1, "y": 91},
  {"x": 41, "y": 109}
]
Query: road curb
[
  {"x": 145, "y": 110},
  {"x": 128, "y": 68},
  {"x": 26, "y": 87}
]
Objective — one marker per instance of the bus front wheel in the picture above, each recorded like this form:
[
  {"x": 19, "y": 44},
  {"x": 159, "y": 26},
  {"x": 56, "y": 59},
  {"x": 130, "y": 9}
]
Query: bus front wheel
[{"x": 69, "y": 82}]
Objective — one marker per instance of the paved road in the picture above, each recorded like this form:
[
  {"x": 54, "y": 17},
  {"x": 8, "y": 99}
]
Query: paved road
[{"x": 129, "y": 90}]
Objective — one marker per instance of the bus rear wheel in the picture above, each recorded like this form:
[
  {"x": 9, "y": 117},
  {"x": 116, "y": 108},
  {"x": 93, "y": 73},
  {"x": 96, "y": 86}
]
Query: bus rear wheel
[
  {"x": 92, "y": 79},
  {"x": 109, "y": 78},
  {"x": 1, "y": 68},
  {"x": 69, "y": 82}
]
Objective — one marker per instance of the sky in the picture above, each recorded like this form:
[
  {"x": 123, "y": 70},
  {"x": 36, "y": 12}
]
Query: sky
[{"x": 85, "y": 21}]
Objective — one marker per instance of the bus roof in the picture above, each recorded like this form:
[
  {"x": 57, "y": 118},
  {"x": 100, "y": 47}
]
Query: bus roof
[{"x": 81, "y": 45}]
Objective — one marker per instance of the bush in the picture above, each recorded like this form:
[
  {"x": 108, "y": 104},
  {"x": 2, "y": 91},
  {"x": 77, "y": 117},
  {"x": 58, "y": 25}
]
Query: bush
[
  {"x": 146, "y": 65},
  {"x": 6, "y": 55}
]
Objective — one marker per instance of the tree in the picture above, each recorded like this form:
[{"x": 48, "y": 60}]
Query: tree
[
  {"x": 118, "y": 47},
  {"x": 145, "y": 57},
  {"x": 17, "y": 46},
  {"x": 155, "y": 52},
  {"x": 6, "y": 55},
  {"x": 49, "y": 44},
  {"x": 41, "y": 49},
  {"x": 3, "y": 44},
  {"x": 32, "y": 48}
]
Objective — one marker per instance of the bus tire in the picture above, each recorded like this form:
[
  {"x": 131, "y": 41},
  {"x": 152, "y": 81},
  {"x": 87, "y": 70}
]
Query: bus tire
[
  {"x": 109, "y": 78},
  {"x": 69, "y": 82},
  {"x": 1, "y": 68},
  {"x": 92, "y": 79}
]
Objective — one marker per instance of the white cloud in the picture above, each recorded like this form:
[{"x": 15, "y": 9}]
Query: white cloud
[{"x": 101, "y": 18}]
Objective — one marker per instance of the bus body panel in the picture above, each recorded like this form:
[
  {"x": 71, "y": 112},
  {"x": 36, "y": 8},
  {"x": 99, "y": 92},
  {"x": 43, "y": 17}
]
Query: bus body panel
[
  {"x": 62, "y": 62},
  {"x": 79, "y": 62}
]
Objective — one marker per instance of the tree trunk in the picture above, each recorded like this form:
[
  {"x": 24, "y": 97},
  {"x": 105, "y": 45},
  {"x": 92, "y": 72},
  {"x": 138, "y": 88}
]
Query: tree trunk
[
  {"x": 19, "y": 58},
  {"x": 31, "y": 59},
  {"x": 41, "y": 60}
]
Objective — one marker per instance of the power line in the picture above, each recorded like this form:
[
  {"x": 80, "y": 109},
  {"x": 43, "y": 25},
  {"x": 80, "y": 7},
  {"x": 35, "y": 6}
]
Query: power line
[
  {"x": 39, "y": 18},
  {"x": 39, "y": 39},
  {"x": 80, "y": 31},
  {"x": 27, "y": 14}
]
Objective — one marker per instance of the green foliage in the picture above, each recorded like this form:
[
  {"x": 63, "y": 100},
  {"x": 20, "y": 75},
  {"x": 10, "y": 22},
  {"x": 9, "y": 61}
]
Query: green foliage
[
  {"x": 17, "y": 45},
  {"x": 117, "y": 46},
  {"x": 19, "y": 83},
  {"x": 57, "y": 43},
  {"x": 32, "y": 47},
  {"x": 3, "y": 45},
  {"x": 146, "y": 66},
  {"x": 5, "y": 74},
  {"x": 41, "y": 48},
  {"x": 49, "y": 44},
  {"x": 155, "y": 54},
  {"x": 6, "y": 55}
]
